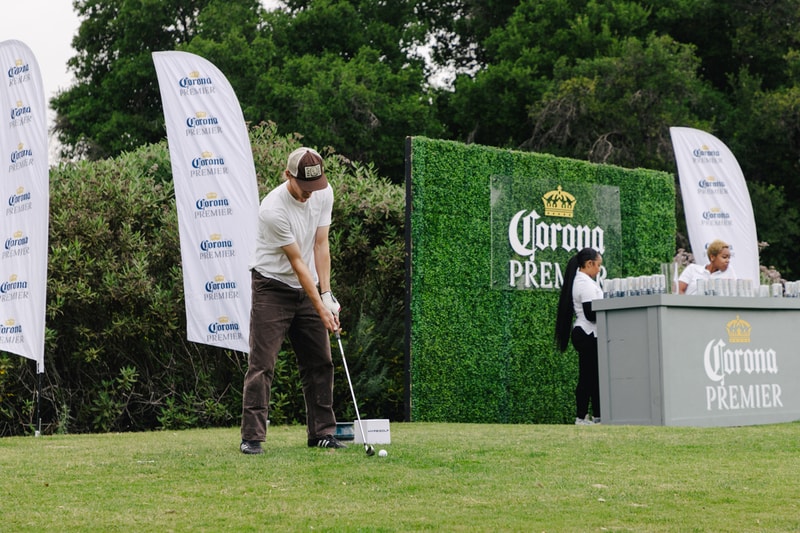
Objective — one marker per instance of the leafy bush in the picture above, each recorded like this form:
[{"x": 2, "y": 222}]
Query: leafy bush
[{"x": 116, "y": 356}]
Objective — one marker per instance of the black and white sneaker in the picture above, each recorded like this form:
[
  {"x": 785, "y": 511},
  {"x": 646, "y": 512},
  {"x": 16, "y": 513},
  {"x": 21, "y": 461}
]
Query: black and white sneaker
[
  {"x": 251, "y": 447},
  {"x": 328, "y": 441}
]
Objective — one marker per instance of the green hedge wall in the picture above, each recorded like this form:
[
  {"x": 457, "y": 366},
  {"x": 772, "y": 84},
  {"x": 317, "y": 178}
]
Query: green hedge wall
[{"x": 477, "y": 354}]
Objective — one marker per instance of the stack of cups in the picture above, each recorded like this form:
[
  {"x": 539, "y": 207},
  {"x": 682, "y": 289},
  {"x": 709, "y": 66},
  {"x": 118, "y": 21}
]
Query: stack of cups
[
  {"x": 741, "y": 288},
  {"x": 737, "y": 288},
  {"x": 776, "y": 290},
  {"x": 792, "y": 289},
  {"x": 702, "y": 289},
  {"x": 609, "y": 286},
  {"x": 634, "y": 286},
  {"x": 720, "y": 287},
  {"x": 622, "y": 287}
]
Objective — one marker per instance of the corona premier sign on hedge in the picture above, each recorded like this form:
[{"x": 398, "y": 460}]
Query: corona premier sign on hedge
[{"x": 537, "y": 226}]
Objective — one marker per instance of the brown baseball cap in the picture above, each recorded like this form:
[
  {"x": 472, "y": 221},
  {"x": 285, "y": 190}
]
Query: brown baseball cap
[{"x": 307, "y": 167}]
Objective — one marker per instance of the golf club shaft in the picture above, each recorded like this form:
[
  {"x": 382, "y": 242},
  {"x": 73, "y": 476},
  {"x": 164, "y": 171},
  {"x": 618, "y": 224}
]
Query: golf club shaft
[{"x": 352, "y": 392}]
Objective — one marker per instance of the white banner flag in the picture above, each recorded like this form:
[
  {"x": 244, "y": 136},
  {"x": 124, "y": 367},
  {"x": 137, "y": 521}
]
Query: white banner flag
[
  {"x": 25, "y": 191},
  {"x": 715, "y": 199},
  {"x": 216, "y": 194}
]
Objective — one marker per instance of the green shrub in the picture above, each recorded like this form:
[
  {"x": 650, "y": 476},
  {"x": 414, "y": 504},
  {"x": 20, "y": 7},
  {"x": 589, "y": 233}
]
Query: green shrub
[{"x": 116, "y": 355}]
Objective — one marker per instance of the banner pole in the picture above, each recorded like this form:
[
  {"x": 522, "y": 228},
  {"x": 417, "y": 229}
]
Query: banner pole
[{"x": 38, "y": 405}]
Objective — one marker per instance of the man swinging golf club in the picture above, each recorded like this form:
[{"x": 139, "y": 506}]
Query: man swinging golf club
[{"x": 291, "y": 292}]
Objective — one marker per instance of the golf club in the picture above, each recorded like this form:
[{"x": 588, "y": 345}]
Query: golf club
[{"x": 367, "y": 448}]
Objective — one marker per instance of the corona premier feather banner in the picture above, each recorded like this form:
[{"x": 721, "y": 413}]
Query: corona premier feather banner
[
  {"x": 216, "y": 195},
  {"x": 715, "y": 199},
  {"x": 25, "y": 191}
]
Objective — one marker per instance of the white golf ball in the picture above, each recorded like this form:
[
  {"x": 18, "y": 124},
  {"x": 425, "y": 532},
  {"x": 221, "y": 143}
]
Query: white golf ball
[{"x": 383, "y": 453}]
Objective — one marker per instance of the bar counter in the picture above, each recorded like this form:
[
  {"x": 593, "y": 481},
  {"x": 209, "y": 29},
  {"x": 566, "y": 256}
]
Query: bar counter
[{"x": 678, "y": 360}]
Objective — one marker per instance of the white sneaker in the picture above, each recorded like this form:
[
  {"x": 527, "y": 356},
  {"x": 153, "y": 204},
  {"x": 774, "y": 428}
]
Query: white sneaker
[
  {"x": 583, "y": 422},
  {"x": 596, "y": 420}
]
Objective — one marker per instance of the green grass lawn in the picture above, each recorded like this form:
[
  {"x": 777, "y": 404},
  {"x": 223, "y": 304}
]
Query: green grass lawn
[{"x": 437, "y": 477}]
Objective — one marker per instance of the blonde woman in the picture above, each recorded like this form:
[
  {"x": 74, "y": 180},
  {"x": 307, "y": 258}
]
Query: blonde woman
[{"x": 718, "y": 267}]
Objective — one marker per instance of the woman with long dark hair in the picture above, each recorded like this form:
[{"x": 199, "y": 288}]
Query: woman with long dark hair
[{"x": 577, "y": 293}]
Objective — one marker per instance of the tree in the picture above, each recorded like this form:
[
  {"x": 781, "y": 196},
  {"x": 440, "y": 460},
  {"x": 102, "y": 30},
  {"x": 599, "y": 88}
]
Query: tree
[
  {"x": 458, "y": 29},
  {"x": 115, "y": 106},
  {"x": 733, "y": 36},
  {"x": 360, "y": 106},
  {"x": 522, "y": 57},
  {"x": 581, "y": 78},
  {"x": 346, "y": 76},
  {"x": 604, "y": 81},
  {"x": 618, "y": 109},
  {"x": 342, "y": 73},
  {"x": 778, "y": 222}
]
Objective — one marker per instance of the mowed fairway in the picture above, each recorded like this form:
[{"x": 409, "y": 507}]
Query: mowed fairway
[{"x": 436, "y": 477}]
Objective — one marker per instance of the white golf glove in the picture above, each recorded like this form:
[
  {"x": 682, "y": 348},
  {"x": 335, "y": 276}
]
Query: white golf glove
[{"x": 330, "y": 301}]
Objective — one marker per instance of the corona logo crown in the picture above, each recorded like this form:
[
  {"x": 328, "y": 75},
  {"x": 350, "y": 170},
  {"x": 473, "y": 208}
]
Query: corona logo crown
[
  {"x": 223, "y": 320},
  {"x": 215, "y": 236},
  {"x": 206, "y": 154},
  {"x": 194, "y": 74},
  {"x": 13, "y": 278},
  {"x": 10, "y": 322},
  {"x": 211, "y": 196},
  {"x": 558, "y": 203},
  {"x": 20, "y": 189},
  {"x": 738, "y": 330},
  {"x": 219, "y": 278},
  {"x": 201, "y": 114}
]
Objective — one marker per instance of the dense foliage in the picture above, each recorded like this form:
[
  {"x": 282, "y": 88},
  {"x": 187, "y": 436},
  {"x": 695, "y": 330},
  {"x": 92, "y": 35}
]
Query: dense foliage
[
  {"x": 597, "y": 81},
  {"x": 600, "y": 81},
  {"x": 116, "y": 354}
]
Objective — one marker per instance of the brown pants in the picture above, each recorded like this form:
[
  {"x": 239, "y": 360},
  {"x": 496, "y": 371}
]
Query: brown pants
[{"x": 279, "y": 311}]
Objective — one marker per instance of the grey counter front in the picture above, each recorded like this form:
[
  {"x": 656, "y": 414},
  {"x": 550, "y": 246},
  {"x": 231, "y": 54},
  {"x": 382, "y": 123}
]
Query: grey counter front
[{"x": 677, "y": 360}]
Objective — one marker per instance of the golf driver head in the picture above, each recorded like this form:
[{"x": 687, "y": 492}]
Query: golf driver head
[{"x": 370, "y": 450}]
